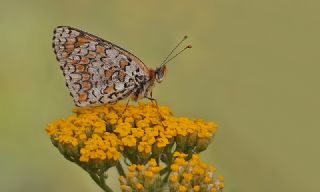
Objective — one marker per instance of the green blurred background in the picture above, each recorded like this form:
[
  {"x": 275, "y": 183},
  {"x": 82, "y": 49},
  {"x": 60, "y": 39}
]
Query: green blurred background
[{"x": 254, "y": 70}]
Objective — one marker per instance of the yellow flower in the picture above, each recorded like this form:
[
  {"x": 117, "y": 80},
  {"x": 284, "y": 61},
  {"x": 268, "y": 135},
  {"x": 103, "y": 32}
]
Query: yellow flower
[
  {"x": 162, "y": 142},
  {"x": 144, "y": 147},
  {"x": 179, "y": 161},
  {"x": 148, "y": 174},
  {"x": 143, "y": 178},
  {"x": 173, "y": 178},
  {"x": 113, "y": 154},
  {"x": 197, "y": 171},
  {"x": 207, "y": 179},
  {"x": 132, "y": 167},
  {"x": 125, "y": 188},
  {"x": 137, "y": 132},
  {"x": 97, "y": 137},
  {"x": 129, "y": 120},
  {"x": 140, "y": 167},
  {"x": 196, "y": 188},
  {"x": 123, "y": 129},
  {"x": 143, "y": 123},
  {"x": 152, "y": 162},
  {"x": 131, "y": 175},
  {"x": 129, "y": 141},
  {"x": 187, "y": 176},
  {"x": 149, "y": 139},
  {"x": 174, "y": 167},
  {"x": 179, "y": 155},
  {"x": 139, "y": 186},
  {"x": 182, "y": 188},
  {"x": 68, "y": 140},
  {"x": 155, "y": 169},
  {"x": 193, "y": 171}
]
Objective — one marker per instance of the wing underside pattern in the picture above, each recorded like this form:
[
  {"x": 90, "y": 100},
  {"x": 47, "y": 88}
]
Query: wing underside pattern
[{"x": 96, "y": 71}]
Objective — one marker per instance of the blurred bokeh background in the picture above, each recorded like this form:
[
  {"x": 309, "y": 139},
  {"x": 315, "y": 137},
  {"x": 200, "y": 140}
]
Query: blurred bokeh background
[{"x": 254, "y": 70}]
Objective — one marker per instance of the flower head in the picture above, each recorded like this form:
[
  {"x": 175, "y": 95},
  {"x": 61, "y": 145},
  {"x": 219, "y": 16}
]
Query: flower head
[
  {"x": 202, "y": 175},
  {"x": 97, "y": 138},
  {"x": 143, "y": 178}
]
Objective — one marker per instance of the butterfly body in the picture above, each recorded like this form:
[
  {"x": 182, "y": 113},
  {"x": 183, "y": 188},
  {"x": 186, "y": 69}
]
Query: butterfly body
[{"x": 98, "y": 72}]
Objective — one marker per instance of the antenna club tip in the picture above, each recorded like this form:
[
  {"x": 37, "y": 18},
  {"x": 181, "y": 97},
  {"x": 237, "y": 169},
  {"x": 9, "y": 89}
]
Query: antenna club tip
[
  {"x": 185, "y": 37},
  {"x": 189, "y": 46}
]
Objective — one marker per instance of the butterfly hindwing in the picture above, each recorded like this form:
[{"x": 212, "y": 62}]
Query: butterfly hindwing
[{"x": 96, "y": 71}]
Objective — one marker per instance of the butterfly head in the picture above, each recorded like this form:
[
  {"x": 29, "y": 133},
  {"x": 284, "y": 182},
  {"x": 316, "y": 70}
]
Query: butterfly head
[{"x": 160, "y": 73}]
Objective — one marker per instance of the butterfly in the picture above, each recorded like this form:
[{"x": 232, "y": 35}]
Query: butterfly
[{"x": 98, "y": 72}]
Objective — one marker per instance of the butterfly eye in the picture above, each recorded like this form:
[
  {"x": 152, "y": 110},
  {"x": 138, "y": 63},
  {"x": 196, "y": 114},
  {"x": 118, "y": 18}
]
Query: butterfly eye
[{"x": 160, "y": 73}]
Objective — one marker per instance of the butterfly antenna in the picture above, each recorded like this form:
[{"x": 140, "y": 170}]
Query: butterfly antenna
[
  {"x": 187, "y": 47},
  {"x": 184, "y": 38}
]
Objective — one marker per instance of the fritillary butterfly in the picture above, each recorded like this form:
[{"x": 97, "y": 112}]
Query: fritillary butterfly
[{"x": 97, "y": 71}]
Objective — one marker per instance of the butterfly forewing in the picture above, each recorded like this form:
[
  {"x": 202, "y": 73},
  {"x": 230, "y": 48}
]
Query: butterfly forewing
[{"x": 96, "y": 71}]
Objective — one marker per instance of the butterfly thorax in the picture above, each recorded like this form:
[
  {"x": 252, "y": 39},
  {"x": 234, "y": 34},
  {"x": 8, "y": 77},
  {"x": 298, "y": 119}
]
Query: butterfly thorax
[{"x": 145, "y": 87}]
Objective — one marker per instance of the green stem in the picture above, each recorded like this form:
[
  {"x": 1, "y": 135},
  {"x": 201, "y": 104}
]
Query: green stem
[
  {"x": 120, "y": 169},
  {"x": 99, "y": 179},
  {"x": 165, "y": 179},
  {"x": 164, "y": 170},
  {"x": 105, "y": 187}
]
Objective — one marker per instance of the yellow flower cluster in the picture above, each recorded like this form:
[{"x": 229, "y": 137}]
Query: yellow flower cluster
[
  {"x": 84, "y": 139},
  {"x": 137, "y": 132},
  {"x": 193, "y": 175},
  {"x": 141, "y": 178},
  {"x": 96, "y": 138}
]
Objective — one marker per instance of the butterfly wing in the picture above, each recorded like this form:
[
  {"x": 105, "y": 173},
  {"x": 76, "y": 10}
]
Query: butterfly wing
[{"x": 96, "y": 71}]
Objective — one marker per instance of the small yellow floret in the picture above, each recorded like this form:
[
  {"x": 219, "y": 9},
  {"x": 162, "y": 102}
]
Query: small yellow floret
[
  {"x": 132, "y": 167},
  {"x": 140, "y": 167},
  {"x": 173, "y": 178},
  {"x": 196, "y": 188},
  {"x": 144, "y": 147},
  {"x": 187, "y": 176},
  {"x": 139, "y": 186},
  {"x": 174, "y": 167},
  {"x": 148, "y": 174},
  {"x": 182, "y": 188}
]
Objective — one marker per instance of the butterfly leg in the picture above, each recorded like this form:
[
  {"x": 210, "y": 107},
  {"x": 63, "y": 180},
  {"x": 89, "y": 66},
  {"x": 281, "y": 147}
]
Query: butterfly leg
[
  {"x": 155, "y": 101},
  {"x": 127, "y": 104}
]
